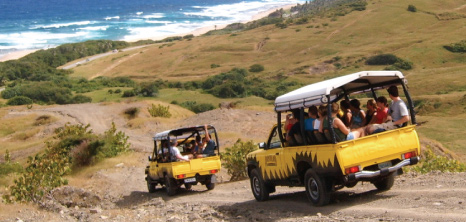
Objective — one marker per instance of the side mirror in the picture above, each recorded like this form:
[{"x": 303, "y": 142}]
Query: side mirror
[
  {"x": 150, "y": 159},
  {"x": 262, "y": 145}
]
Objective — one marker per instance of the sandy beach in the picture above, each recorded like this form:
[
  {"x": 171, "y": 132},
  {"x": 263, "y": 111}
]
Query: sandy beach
[{"x": 21, "y": 53}]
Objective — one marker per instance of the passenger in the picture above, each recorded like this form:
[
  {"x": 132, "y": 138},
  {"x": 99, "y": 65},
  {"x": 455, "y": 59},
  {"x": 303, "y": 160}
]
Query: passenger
[
  {"x": 341, "y": 131},
  {"x": 309, "y": 122},
  {"x": 371, "y": 111},
  {"x": 347, "y": 115},
  {"x": 322, "y": 114},
  {"x": 208, "y": 145},
  {"x": 398, "y": 111},
  {"x": 382, "y": 111},
  {"x": 293, "y": 137},
  {"x": 175, "y": 153},
  {"x": 358, "y": 116},
  {"x": 318, "y": 128},
  {"x": 289, "y": 122}
]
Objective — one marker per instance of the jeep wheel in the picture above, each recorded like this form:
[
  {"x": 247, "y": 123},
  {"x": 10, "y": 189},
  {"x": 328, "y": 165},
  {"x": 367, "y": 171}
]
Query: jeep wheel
[
  {"x": 170, "y": 186},
  {"x": 316, "y": 188},
  {"x": 258, "y": 187},
  {"x": 188, "y": 186},
  {"x": 210, "y": 186},
  {"x": 385, "y": 183},
  {"x": 151, "y": 186}
]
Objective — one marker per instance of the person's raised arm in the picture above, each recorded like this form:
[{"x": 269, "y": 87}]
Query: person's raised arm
[{"x": 207, "y": 136}]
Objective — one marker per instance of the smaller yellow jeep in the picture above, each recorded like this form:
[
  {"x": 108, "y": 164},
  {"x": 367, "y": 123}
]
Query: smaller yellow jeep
[{"x": 186, "y": 156}]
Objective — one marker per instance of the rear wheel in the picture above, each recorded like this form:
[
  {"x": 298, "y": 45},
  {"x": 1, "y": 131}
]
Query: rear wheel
[
  {"x": 151, "y": 186},
  {"x": 170, "y": 186},
  {"x": 317, "y": 190},
  {"x": 385, "y": 183},
  {"x": 210, "y": 186},
  {"x": 188, "y": 186},
  {"x": 258, "y": 187}
]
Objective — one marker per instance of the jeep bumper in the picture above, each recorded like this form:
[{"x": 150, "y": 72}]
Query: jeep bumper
[{"x": 382, "y": 172}]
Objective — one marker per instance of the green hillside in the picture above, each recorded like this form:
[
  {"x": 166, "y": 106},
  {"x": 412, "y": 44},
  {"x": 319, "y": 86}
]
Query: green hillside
[{"x": 307, "y": 47}]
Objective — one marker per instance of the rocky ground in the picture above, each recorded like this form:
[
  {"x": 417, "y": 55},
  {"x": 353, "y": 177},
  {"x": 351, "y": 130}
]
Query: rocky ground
[{"x": 119, "y": 193}]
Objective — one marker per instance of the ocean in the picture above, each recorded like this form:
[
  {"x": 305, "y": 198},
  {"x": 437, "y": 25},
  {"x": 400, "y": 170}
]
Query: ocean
[{"x": 41, "y": 24}]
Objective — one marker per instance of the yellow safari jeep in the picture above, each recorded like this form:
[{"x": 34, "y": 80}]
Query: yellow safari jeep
[
  {"x": 165, "y": 169},
  {"x": 325, "y": 165}
]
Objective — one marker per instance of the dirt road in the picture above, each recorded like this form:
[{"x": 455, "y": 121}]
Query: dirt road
[{"x": 118, "y": 192}]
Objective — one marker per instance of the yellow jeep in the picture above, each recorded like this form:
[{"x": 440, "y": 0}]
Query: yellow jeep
[
  {"x": 325, "y": 167},
  {"x": 166, "y": 170}
]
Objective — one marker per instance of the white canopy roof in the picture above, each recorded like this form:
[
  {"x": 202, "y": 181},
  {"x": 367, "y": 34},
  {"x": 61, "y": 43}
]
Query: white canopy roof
[
  {"x": 357, "y": 82},
  {"x": 182, "y": 132}
]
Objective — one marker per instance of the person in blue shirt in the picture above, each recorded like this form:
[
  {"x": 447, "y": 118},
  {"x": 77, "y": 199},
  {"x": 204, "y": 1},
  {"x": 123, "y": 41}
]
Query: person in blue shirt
[
  {"x": 309, "y": 122},
  {"x": 208, "y": 145}
]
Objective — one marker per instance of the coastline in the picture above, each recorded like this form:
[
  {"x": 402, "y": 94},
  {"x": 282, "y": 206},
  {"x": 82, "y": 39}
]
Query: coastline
[{"x": 197, "y": 32}]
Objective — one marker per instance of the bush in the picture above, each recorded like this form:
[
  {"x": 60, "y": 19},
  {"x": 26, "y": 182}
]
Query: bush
[
  {"x": 73, "y": 146},
  {"x": 42, "y": 120},
  {"x": 81, "y": 99},
  {"x": 234, "y": 159},
  {"x": 433, "y": 162},
  {"x": 197, "y": 108},
  {"x": 412, "y": 8},
  {"x": 256, "y": 68},
  {"x": 159, "y": 111},
  {"x": 117, "y": 91},
  {"x": 19, "y": 100},
  {"x": 459, "y": 47},
  {"x": 132, "y": 112},
  {"x": 213, "y": 66},
  {"x": 129, "y": 93},
  {"x": 383, "y": 59}
]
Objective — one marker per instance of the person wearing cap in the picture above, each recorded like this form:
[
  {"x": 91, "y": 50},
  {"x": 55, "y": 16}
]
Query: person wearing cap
[
  {"x": 398, "y": 113},
  {"x": 175, "y": 153}
]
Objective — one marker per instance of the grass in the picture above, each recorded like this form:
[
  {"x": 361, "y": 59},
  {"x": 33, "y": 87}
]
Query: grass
[{"x": 102, "y": 95}]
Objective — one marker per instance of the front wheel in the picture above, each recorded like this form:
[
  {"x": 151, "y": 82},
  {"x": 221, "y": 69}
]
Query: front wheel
[
  {"x": 210, "y": 185},
  {"x": 170, "y": 186},
  {"x": 385, "y": 183},
  {"x": 258, "y": 187},
  {"x": 316, "y": 189},
  {"x": 150, "y": 185}
]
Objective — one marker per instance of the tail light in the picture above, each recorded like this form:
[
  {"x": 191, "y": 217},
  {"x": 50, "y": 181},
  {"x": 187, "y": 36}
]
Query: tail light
[
  {"x": 354, "y": 169},
  {"x": 181, "y": 176},
  {"x": 213, "y": 171},
  {"x": 408, "y": 155}
]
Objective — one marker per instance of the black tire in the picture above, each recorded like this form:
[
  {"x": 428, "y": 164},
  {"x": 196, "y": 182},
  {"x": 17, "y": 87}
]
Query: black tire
[
  {"x": 188, "y": 186},
  {"x": 210, "y": 186},
  {"x": 259, "y": 189},
  {"x": 151, "y": 186},
  {"x": 385, "y": 183},
  {"x": 170, "y": 186},
  {"x": 317, "y": 190}
]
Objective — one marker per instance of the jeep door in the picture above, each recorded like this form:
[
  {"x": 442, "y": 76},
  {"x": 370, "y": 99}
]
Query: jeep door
[{"x": 273, "y": 158}]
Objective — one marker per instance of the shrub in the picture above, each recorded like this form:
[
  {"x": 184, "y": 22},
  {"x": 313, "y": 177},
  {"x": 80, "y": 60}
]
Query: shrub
[
  {"x": 110, "y": 91},
  {"x": 117, "y": 91},
  {"x": 234, "y": 159},
  {"x": 256, "y": 68},
  {"x": 73, "y": 145},
  {"x": 433, "y": 162},
  {"x": 129, "y": 93},
  {"x": 19, "y": 100},
  {"x": 383, "y": 59},
  {"x": 7, "y": 168},
  {"x": 412, "y": 8},
  {"x": 459, "y": 47},
  {"x": 212, "y": 66},
  {"x": 197, "y": 108},
  {"x": 132, "y": 112},
  {"x": 81, "y": 99},
  {"x": 159, "y": 111},
  {"x": 42, "y": 120}
]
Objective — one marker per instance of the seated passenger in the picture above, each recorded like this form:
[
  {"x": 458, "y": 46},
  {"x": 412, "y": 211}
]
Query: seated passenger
[
  {"x": 309, "y": 122},
  {"x": 347, "y": 115},
  {"x": 318, "y": 129},
  {"x": 358, "y": 116},
  {"x": 340, "y": 129},
  {"x": 175, "y": 153},
  {"x": 382, "y": 111},
  {"x": 293, "y": 137},
  {"x": 208, "y": 145},
  {"x": 398, "y": 111},
  {"x": 371, "y": 111}
]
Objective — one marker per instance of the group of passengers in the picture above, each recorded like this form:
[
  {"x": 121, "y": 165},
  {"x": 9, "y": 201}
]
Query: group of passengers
[
  {"x": 349, "y": 121},
  {"x": 195, "y": 149}
]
